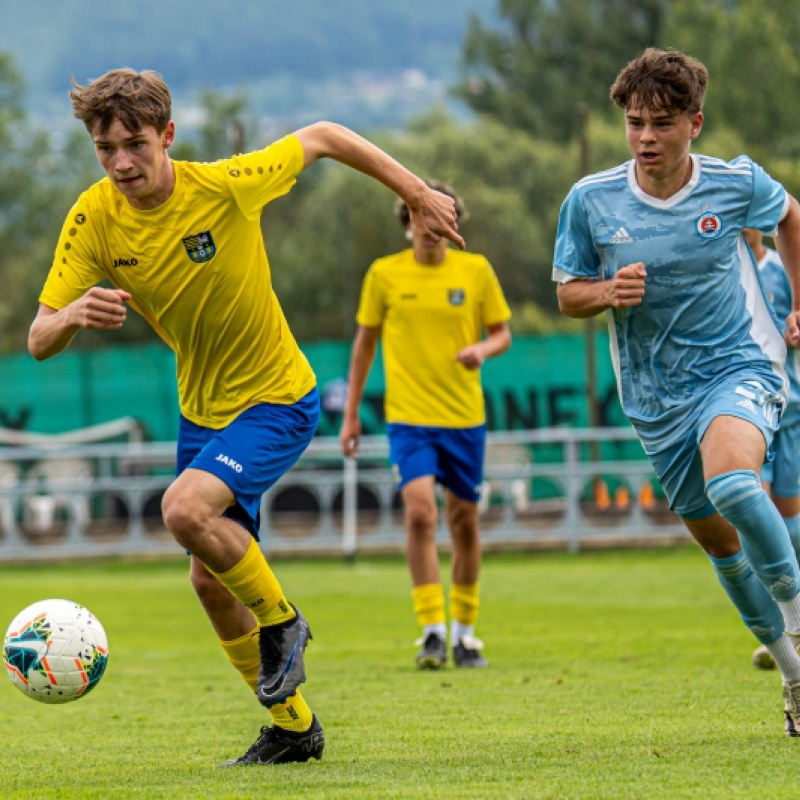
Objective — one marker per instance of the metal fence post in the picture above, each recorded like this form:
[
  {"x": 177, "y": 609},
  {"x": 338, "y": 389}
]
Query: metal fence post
[{"x": 349, "y": 507}]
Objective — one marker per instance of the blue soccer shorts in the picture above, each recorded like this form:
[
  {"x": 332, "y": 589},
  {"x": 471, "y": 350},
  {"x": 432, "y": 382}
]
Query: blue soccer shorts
[
  {"x": 679, "y": 467},
  {"x": 453, "y": 456},
  {"x": 783, "y": 472},
  {"x": 252, "y": 452}
]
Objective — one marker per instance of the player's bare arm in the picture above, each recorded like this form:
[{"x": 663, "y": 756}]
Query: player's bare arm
[
  {"x": 364, "y": 349},
  {"x": 431, "y": 212},
  {"x": 498, "y": 340},
  {"x": 583, "y": 298},
  {"x": 788, "y": 244},
  {"x": 52, "y": 330}
]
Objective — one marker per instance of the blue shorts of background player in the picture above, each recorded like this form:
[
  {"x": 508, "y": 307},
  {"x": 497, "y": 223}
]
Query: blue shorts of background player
[
  {"x": 252, "y": 452},
  {"x": 454, "y": 456},
  {"x": 679, "y": 467},
  {"x": 783, "y": 473}
]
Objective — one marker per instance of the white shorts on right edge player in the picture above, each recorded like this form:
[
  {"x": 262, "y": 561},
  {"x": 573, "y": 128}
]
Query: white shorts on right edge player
[{"x": 679, "y": 469}]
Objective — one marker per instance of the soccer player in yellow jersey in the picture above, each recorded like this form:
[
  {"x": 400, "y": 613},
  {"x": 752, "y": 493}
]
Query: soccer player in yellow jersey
[
  {"x": 181, "y": 243},
  {"x": 430, "y": 305}
]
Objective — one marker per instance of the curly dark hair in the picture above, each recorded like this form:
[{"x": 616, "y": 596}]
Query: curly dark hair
[{"x": 666, "y": 80}]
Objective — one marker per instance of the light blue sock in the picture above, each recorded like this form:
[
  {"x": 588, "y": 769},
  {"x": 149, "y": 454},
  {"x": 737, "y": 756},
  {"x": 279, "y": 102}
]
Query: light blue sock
[
  {"x": 740, "y": 499},
  {"x": 793, "y": 526},
  {"x": 756, "y": 608}
]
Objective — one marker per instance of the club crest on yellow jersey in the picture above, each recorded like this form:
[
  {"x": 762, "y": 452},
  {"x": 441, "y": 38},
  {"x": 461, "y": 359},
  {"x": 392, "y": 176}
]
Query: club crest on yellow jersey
[
  {"x": 456, "y": 297},
  {"x": 200, "y": 247}
]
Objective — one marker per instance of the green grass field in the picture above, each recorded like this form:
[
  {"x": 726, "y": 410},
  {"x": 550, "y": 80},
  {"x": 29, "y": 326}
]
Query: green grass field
[{"x": 613, "y": 675}]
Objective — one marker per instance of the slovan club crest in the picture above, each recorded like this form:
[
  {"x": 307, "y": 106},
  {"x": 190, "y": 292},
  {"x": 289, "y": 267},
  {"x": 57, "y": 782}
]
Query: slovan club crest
[
  {"x": 709, "y": 225},
  {"x": 200, "y": 247}
]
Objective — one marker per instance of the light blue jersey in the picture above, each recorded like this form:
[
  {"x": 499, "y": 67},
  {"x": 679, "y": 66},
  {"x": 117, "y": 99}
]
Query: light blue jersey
[
  {"x": 779, "y": 293},
  {"x": 704, "y": 317}
]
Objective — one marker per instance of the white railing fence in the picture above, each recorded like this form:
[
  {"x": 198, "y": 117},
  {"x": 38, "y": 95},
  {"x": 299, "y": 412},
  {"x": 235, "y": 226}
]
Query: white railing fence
[{"x": 567, "y": 488}]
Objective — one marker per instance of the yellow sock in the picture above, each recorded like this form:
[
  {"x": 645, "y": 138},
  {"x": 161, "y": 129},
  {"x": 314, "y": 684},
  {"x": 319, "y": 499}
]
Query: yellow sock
[
  {"x": 428, "y": 603},
  {"x": 244, "y": 654},
  {"x": 464, "y": 603},
  {"x": 252, "y": 582},
  {"x": 293, "y": 714}
]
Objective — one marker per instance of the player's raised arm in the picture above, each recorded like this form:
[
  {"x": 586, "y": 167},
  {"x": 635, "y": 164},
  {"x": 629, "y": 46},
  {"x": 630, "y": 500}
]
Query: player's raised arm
[
  {"x": 584, "y": 298},
  {"x": 431, "y": 212},
  {"x": 52, "y": 330}
]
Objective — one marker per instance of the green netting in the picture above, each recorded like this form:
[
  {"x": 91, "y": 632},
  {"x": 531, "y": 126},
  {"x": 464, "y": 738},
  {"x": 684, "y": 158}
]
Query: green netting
[{"x": 539, "y": 383}]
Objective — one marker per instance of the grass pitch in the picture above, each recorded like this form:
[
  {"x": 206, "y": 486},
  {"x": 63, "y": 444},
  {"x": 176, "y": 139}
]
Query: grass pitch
[{"x": 613, "y": 675}]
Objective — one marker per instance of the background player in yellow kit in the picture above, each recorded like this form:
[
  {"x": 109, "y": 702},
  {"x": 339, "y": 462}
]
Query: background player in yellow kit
[
  {"x": 181, "y": 243},
  {"x": 429, "y": 305}
]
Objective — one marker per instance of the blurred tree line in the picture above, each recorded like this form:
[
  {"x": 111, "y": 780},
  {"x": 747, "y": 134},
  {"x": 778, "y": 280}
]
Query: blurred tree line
[{"x": 527, "y": 81}]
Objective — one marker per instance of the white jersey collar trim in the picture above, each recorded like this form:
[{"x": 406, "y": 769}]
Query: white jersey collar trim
[{"x": 655, "y": 202}]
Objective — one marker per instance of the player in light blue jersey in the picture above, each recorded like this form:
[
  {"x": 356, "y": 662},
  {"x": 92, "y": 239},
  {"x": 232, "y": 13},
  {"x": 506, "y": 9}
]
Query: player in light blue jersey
[
  {"x": 781, "y": 476},
  {"x": 657, "y": 243}
]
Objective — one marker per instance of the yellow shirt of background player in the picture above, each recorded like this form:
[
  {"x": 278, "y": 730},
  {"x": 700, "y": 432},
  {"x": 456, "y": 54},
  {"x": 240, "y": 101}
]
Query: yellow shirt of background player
[
  {"x": 198, "y": 272},
  {"x": 427, "y": 314}
]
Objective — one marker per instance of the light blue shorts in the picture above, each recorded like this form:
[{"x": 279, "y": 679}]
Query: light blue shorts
[
  {"x": 679, "y": 467},
  {"x": 252, "y": 453},
  {"x": 783, "y": 472},
  {"x": 453, "y": 456}
]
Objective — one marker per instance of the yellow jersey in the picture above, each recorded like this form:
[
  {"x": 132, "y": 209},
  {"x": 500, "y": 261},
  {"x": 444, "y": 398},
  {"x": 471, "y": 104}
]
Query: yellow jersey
[
  {"x": 427, "y": 314},
  {"x": 197, "y": 270}
]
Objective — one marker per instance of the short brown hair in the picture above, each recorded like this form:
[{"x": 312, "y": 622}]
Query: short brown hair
[
  {"x": 665, "y": 80},
  {"x": 136, "y": 99},
  {"x": 404, "y": 215}
]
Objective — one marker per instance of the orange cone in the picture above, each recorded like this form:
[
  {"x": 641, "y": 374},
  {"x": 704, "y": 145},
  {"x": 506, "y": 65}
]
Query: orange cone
[
  {"x": 602, "y": 499},
  {"x": 647, "y": 498}
]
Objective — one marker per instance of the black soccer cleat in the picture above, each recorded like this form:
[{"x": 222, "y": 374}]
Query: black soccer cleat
[
  {"x": 279, "y": 746},
  {"x": 433, "y": 654},
  {"x": 467, "y": 653},
  {"x": 282, "y": 664}
]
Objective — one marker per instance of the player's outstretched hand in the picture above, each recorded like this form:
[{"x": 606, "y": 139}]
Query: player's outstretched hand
[
  {"x": 100, "y": 309},
  {"x": 793, "y": 329},
  {"x": 349, "y": 436},
  {"x": 434, "y": 214},
  {"x": 627, "y": 287}
]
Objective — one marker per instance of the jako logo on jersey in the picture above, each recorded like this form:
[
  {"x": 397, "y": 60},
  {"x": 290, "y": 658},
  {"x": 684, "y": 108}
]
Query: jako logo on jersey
[
  {"x": 200, "y": 247},
  {"x": 709, "y": 225},
  {"x": 456, "y": 297},
  {"x": 234, "y": 465},
  {"x": 125, "y": 262}
]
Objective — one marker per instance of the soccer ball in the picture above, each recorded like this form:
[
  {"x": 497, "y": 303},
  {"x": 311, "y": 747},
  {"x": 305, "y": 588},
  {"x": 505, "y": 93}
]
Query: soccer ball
[{"x": 55, "y": 651}]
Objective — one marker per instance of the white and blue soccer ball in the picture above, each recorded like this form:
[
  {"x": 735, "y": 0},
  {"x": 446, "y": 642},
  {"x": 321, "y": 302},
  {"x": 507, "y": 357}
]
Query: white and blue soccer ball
[{"x": 55, "y": 651}]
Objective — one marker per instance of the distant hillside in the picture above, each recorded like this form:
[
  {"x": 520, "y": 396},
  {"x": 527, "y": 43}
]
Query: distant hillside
[{"x": 365, "y": 62}]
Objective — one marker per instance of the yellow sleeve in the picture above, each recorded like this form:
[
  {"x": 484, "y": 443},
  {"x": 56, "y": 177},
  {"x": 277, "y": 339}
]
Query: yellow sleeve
[
  {"x": 371, "y": 307},
  {"x": 494, "y": 306},
  {"x": 77, "y": 265},
  {"x": 257, "y": 178}
]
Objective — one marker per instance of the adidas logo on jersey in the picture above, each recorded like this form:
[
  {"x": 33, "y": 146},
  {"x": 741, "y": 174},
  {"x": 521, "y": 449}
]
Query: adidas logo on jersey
[{"x": 621, "y": 237}]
